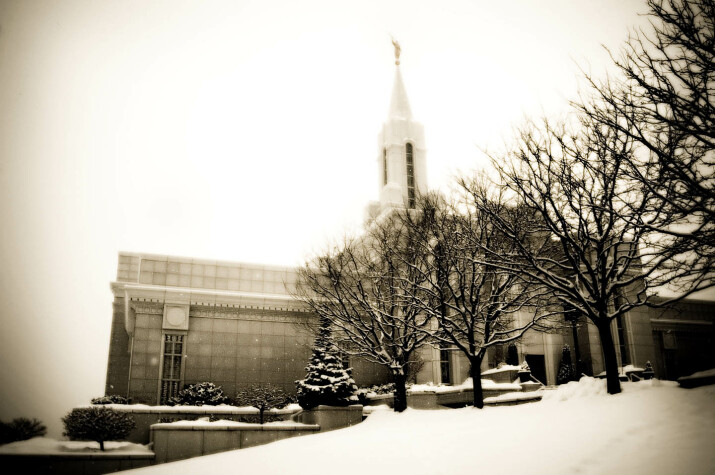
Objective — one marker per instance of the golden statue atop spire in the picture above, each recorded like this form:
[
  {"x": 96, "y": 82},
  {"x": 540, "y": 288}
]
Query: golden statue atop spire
[{"x": 397, "y": 51}]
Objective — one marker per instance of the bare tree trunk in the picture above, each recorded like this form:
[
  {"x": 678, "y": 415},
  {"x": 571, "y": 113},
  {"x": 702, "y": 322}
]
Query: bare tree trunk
[
  {"x": 101, "y": 445},
  {"x": 475, "y": 371},
  {"x": 400, "y": 396},
  {"x": 609, "y": 355}
]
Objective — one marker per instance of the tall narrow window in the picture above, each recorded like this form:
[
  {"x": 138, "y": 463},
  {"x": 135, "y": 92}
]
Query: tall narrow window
[
  {"x": 444, "y": 365},
  {"x": 384, "y": 166},
  {"x": 622, "y": 343},
  {"x": 410, "y": 176},
  {"x": 171, "y": 367},
  {"x": 621, "y": 331}
]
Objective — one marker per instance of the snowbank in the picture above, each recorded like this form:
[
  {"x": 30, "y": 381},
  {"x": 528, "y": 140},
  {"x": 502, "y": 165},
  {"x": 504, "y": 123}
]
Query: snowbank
[
  {"x": 709, "y": 373},
  {"x": 48, "y": 446},
  {"x": 651, "y": 428}
]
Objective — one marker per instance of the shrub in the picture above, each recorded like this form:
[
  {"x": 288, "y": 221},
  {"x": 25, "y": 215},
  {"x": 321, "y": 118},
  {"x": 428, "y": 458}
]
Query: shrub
[
  {"x": 98, "y": 424},
  {"x": 21, "y": 428},
  {"x": 263, "y": 398},
  {"x": 111, "y": 399},
  {"x": 199, "y": 394},
  {"x": 363, "y": 394},
  {"x": 327, "y": 382}
]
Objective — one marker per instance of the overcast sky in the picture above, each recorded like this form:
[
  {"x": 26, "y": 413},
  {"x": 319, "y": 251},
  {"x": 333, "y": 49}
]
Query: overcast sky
[{"x": 233, "y": 130}]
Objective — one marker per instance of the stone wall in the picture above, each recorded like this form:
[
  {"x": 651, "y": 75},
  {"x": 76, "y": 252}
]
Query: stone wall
[
  {"x": 84, "y": 464},
  {"x": 176, "y": 442}
]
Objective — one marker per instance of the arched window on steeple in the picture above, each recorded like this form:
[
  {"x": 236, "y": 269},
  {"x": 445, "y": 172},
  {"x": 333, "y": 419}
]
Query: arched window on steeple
[
  {"x": 410, "y": 176},
  {"x": 384, "y": 166}
]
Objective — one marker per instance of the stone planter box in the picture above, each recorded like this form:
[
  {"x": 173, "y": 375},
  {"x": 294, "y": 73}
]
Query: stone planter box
[
  {"x": 145, "y": 416},
  {"x": 331, "y": 417},
  {"x": 80, "y": 463},
  {"x": 530, "y": 386},
  {"x": 177, "y": 442},
  {"x": 505, "y": 374}
]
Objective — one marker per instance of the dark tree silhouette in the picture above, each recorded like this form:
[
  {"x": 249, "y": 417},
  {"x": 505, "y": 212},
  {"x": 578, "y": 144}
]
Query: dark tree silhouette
[
  {"x": 601, "y": 220},
  {"x": 363, "y": 288},
  {"x": 665, "y": 102},
  {"x": 97, "y": 423},
  {"x": 473, "y": 304}
]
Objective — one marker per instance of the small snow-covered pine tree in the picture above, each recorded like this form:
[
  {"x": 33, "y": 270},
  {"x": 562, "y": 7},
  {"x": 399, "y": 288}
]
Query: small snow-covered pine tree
[
  {"x": 565, "y": 373},
  {"x": 326, "y": 381}
]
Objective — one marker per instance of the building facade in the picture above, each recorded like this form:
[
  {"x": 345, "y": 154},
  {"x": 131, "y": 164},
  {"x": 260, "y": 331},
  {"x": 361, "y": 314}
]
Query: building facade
[{"x": 178, "y": 321}]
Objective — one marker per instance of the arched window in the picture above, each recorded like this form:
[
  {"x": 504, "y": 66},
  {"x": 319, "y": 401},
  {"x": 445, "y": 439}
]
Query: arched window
[
  {"x": 384, "y": 166},
  {"x": 410, "y": 176}
]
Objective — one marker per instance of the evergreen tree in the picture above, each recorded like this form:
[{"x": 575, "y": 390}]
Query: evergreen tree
[
  {"x": 565, "y": 373},
  {"x": 326, "y": 382}
]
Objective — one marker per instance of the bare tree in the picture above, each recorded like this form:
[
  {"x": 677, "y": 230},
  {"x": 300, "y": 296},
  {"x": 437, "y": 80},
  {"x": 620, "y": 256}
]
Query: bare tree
[
  {"x": 575, "y": 185},
  {"x": 665, "y": 102},
  {"x": 362, "y": 288},
  {"x": 473, "y": 304}
]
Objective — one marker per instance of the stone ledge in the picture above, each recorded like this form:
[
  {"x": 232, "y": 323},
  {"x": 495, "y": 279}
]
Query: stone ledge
[
  {"x": 84, "y": 456},
  {"x": 227, "y": 427}
]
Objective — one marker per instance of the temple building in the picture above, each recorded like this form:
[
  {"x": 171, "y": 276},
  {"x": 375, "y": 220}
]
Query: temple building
[{"x": 178, "y": 321}]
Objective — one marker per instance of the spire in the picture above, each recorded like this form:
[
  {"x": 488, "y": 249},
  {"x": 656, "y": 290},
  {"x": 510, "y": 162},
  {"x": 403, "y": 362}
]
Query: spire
[{"x": 399, "y": 105}]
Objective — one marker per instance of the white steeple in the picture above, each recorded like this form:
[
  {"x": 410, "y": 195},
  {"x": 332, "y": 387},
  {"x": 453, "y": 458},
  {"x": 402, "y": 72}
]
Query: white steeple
[
  {"x": 399, "y": 104},
  {"x": 401, "y": 152}
]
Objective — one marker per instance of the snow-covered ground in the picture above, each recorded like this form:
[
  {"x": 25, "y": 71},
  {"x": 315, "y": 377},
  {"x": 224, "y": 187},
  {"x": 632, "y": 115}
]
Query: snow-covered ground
[{"x": 651, "y": 428}]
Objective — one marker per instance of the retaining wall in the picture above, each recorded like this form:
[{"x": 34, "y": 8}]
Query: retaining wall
[
  {"x": 331, "y": 417},
  {"x": 177, "y": 442},
  {"x": 146, "y": 416},
  {"x": 79, "y": 464}
]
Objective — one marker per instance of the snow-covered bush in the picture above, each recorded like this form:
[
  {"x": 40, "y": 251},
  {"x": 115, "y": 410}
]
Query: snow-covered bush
[
  {"x": 263, "y": 398},
  {"x": 326, "y": 382},
  {"x": 565, "y": 373},
  {"x": 97, "y": 423},
  {"x": 199, "y": 394},
  {"x": 111, "y": 399},
  {"x": 21, "y": 428}
]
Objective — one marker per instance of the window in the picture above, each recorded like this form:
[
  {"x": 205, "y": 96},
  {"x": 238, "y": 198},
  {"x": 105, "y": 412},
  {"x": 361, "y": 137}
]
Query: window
[
  {"x": 345, "y": 358},
  {"x": 171, "y": 366},
  {"x": 444, "y": 366},
  {"x": 410, "y": 176},
  {"x": 621, "y": 331},
  {"x": 384, "y": 166}
]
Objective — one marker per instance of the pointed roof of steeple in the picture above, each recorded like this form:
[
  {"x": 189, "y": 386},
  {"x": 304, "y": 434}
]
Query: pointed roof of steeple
[{"x": 399, "y": 104}]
